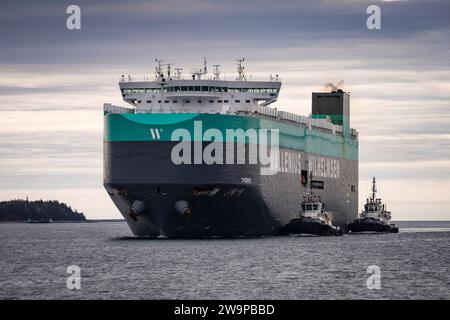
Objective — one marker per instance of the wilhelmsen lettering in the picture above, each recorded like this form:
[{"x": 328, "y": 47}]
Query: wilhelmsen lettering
[{"x": 324, "y": 167}]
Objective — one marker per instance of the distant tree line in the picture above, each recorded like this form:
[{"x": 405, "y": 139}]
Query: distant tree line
[{"x": 24, "y": 210}]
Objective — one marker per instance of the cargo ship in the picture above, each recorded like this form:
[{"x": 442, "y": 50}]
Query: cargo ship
[{"x": 200, "y": 155}]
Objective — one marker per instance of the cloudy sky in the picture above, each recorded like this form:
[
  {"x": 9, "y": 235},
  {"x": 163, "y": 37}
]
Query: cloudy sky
[{"x": 54, "y": 81}]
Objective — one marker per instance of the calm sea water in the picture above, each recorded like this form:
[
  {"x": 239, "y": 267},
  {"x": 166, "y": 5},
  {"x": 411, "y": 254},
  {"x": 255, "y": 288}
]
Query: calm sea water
[{"x": 114, "y": 265}]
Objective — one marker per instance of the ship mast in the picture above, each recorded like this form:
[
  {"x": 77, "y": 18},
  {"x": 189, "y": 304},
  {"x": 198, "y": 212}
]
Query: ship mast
[
  {"x": 240, "y": 70},
  {"x": 168, "y": 65},
  {"x": 158, "y": 70},
  {"x": 200, "y": 72},
  {"x": 374, "y": 189}
]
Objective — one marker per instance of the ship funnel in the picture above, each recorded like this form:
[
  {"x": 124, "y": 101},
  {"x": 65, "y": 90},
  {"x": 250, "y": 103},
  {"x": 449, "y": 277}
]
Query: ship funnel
[{"x": 334, "y": 105}]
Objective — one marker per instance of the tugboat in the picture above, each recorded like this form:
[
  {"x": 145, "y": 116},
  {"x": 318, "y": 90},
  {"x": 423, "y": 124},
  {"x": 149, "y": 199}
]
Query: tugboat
[
  {"x": 312, "y": 219},
  {"x": 374, "y": 217}
]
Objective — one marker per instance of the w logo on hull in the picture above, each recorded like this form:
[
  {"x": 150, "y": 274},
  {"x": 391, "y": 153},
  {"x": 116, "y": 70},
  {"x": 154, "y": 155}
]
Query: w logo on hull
[{"x": 155, "y": 134}]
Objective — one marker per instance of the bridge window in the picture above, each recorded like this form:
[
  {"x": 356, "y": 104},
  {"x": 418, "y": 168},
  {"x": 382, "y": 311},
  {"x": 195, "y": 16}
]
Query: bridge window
[
  {"x": 211, "y": 101},
  {"x": 225, "y": 101},
  {"x": 166, "y": 101},
  {"x": 219, "y": 101},
  {"x": 190, "y": 88},
  {"x": 175, "y": 101},
  {"x": 205, "y": 88},
  {"x": 197, "y": 88},
  {"x": 187, "y": 101},
  {"x": 149, "y": 101},
  {"x": 212, "y": 89},
  {"x": 237, "y": 101},
  {"x": 247, "y": 101}
]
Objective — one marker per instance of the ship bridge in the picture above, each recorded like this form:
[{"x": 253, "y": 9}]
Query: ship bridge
[{"x": 199, "y": 92}]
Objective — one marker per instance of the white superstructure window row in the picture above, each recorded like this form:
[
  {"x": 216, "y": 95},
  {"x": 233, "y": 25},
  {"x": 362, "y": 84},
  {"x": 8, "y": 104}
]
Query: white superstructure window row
[{"x": 198, "y": 89}]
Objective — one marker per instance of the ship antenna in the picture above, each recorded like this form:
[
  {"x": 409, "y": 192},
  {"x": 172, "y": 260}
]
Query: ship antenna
[
  {"x": 200, "y": 72},
  {"x": 216, "y": 71},
  {"x": 168, "y": 69},
  {"x": 178, "y": 73},
  {"x": 374, "y": 189},
  {"x": 240, "y": 69},
  {"x": 158, "y": 69}
]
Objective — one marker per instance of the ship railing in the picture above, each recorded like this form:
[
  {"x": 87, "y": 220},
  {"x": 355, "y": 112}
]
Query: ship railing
[
  {"x": 222, "y": 77},
  {"x": 321, "y": 124},
  {"x": 109, "y": 108}
]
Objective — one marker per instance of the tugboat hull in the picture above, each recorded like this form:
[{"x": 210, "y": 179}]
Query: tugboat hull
[
  {"x": 310, "y": 227},
  {"x": 371, "y": 225}
]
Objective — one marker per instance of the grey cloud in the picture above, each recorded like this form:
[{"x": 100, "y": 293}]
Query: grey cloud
[{"x": 117, "y": 29}]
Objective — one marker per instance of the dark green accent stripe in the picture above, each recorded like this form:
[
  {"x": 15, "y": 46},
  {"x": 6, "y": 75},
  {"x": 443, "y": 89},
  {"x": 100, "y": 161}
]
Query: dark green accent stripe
[{"x": 136, "y": 127}]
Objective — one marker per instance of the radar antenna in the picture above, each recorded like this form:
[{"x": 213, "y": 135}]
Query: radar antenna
[
  {"x": 178, "y": 73},
  {"x": 240, "y": 69}
]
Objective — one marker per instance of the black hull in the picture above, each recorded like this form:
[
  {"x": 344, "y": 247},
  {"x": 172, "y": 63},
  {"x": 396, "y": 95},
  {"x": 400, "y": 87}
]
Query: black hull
[
  {"x": 309, "y": 227},
  {"x": 371, "y": 225},
  {"x": 224, "y": 200}
]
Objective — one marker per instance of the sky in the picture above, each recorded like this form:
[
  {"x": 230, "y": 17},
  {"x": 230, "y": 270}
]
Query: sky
[{"x": 54, "y": 81}]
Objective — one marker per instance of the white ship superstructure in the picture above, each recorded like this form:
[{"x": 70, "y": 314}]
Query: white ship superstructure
[{"x": 200, "y": 92}]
